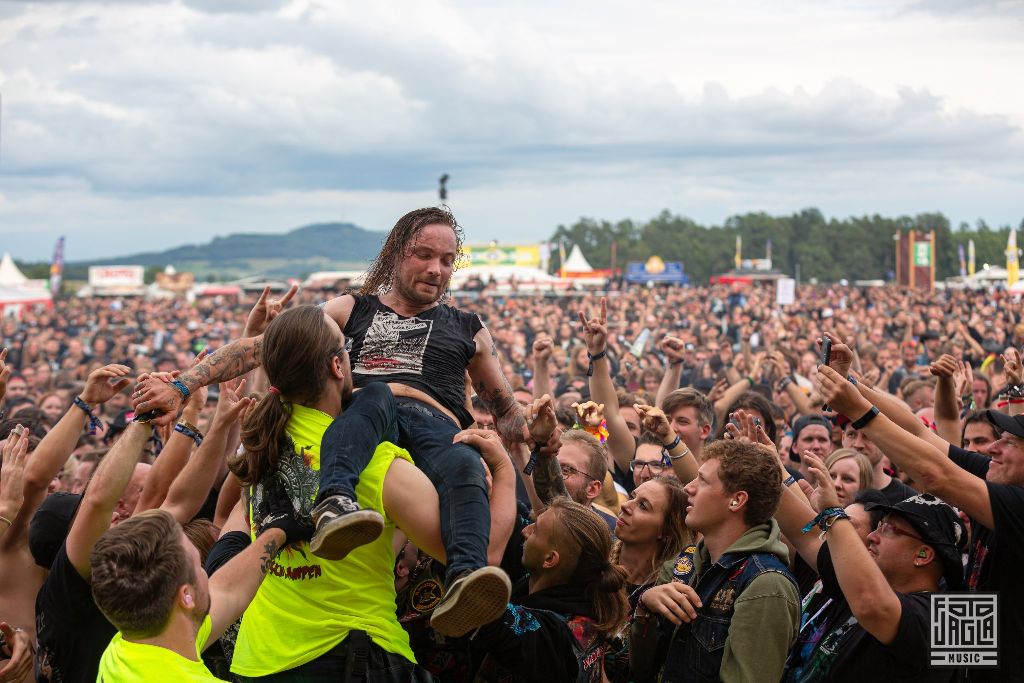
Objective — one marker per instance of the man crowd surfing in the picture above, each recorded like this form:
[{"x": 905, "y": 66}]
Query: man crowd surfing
[{"x": 404, "y": 484}]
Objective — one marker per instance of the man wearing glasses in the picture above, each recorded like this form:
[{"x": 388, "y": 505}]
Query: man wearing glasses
[
  {"x": 650, "y": 461},
  {"x": 583, "y": 461}
]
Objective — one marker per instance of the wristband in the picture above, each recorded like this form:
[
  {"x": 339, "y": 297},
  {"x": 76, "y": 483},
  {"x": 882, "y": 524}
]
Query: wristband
[
  {"x": 4, "y": 519},
  {"x": 189, "y": 430},
  {"x": 825, "y": 519},
  {"x": 750, "y": 379},
  {"x": 596, "y": 356},
  {"x": 851, "y": 379},
  {"x": 180, "y": 386},
  {"x": 783, "y": 383},
  {"x": 789, "y": 481},
  {"x": 863, "y": 420},
  {"x": 531, "y": 464},
  {"x": 1015, "y": 390},
  {"x": 681, "y": 455},
  {"x": 94, "y": 422},
  {"x": 675, "y": 363},
  {"x": 670, "y": 446}
]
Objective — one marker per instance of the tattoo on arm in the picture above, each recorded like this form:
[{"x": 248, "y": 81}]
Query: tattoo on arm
[
  {"x": 508, "y": 416},
  {"x": 547, "y": 478},
  {"x": 229, "y": 362},
  {"x": 269, "y": 553}
]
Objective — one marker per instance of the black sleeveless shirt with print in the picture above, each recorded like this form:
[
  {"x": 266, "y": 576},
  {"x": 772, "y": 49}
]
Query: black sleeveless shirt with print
[{"x": 429, "y": 351}]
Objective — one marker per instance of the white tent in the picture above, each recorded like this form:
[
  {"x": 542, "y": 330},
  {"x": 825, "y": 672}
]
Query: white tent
[
  {"x": 577, "y": 262},
  {"x": 10, "y": 275},
  {"x": 16, "y": 290}
]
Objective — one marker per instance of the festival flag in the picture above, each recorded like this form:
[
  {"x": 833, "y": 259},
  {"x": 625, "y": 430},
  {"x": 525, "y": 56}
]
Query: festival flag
[
  {"x": 963, "y": 259},
  {"x": 970, "y": 257},
  {"x": 57, "y": 267},
  {"x": 561, "y": 258},
  {"x": 1011, "y": 259},
  {"x": 739, "y": 251}
]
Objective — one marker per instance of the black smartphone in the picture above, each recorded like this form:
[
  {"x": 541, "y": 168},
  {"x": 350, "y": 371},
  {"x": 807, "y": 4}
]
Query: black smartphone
[{"x": 826, "y": 356}]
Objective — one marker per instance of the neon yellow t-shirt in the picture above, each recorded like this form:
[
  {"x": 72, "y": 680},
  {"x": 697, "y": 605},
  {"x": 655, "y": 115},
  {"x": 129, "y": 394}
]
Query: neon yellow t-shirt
[
  {"x": 127, "y": 662},
  {"x": 306, "y": 606}
]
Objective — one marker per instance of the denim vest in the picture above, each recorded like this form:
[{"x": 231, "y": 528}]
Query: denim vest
[{"x": 695, "y": 652}]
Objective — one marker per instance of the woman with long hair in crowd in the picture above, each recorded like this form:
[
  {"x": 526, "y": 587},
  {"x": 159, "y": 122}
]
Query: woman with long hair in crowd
[{"x": 651, "y": 530}]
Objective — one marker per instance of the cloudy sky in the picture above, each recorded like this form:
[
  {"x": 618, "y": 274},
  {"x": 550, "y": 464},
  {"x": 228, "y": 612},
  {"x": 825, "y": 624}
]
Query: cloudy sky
[{"x": 130, "y": 125}]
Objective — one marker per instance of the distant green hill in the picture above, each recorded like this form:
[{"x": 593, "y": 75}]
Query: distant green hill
[{"x": 321, "y": 246}]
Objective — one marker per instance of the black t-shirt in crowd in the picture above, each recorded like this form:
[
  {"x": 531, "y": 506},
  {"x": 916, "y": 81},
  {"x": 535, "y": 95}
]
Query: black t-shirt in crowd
[
  {"x": 72, "y": 631},
  {"x": 849, "y": 653},
  {"x": 897, "y": 492},
  {"x": 429, "y": 351},
  {"x": 994, "y": 566}
]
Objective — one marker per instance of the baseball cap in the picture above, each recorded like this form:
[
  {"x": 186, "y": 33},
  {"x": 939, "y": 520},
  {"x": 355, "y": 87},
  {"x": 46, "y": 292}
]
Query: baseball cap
[
  {"x": 802, "y": 423},
  {"x": 940, "y": 526},
  {"x": 49, "y": 526},
  {"x": 1013, "y": 424}
]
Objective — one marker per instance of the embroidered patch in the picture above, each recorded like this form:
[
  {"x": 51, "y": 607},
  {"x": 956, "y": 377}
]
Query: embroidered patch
[
  {"x": 426, "y": 595},
  {"x": 722, "y": 602}
]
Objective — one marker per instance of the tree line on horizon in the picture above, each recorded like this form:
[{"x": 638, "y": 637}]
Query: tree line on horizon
[{"x": 854, "y": 248}]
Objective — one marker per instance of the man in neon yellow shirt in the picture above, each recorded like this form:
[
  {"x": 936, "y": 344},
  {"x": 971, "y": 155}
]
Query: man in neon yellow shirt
[
  {"x": 147, "y": 579},
  {"x": 313, "y": 617}
]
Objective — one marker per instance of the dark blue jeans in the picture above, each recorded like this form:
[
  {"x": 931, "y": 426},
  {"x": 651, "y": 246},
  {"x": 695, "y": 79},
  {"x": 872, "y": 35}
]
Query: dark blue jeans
[
  {"x": 375, "y": 415},
  {"x": 381, "y": 667}
]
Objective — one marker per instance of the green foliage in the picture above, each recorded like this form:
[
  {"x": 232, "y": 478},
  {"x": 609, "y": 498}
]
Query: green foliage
[{"x": 855, "y": 248}]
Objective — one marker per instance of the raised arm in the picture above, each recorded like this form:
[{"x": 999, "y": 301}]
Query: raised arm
[
  {"x": 53, "y": 451},
  {"x": 892, "y": 407},
  {"x": 234, "y": 585},
  {"x": 101, "y": 496},
  {"x": 174, "y": 455},
  {"x": 947, "y": 398},
  {"x": 12, "y": 477},
  {"x": 673, "y": 348},
  {"x": 493, "y": 388},
  {"x": 226, "y": 363},
  {"x": 191, "y": 488},
  {"x": 872, "y": 601},
  {"x": 920, "y": 458},
  {"x": 602, "y": 390},
  {"x": 684, "y": 464},
  {"x": 542, "y": 346}
]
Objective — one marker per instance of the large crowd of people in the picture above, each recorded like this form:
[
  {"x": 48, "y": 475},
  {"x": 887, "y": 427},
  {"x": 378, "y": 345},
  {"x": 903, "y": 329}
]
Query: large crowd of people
[{"x": 401, "y": 483}]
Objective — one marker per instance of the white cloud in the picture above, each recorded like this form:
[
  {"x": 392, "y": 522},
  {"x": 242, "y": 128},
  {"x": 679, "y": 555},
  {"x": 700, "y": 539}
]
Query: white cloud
[{"x": 206, "y": 117}]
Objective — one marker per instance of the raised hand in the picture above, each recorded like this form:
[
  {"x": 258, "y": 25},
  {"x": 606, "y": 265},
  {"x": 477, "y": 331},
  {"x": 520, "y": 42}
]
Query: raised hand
[
  {"x": 232, "y": 406},
  {"x": 542, "y": 346},
  {"x": 595, "y": 330},
  {"x": 5, "y": 372},
  {"x": 98, "y": 387},
  {"x": 12, "y": 473},
  {"x": 655, "y": 421},
  {"x": 673, "y": 348},
  {"x": 590, "y": 413},
  {"x": 266, "y": 310},
  {"x": 540, "y": 419},
  {"x": 840, "y": 394},
  {"x": 1012, "y": 369},
  {"x": 842, "y": 355},
  {"x": 824, "y": 495}
]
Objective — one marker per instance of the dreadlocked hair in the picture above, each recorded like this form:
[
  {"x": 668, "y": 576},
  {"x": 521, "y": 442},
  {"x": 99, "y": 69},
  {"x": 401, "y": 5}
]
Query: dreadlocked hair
[
  {"x": 381, "y": 272},
  {"x": 604, "y": 583},
  {"x": 298, "y": 350},
  {"x": 675, "y": 534}
]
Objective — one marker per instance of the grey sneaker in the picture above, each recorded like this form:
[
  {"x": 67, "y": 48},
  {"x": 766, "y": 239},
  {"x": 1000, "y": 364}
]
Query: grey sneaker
[
  {"x": 475, "y": 598},
  {"x": 342, "y": 526}
]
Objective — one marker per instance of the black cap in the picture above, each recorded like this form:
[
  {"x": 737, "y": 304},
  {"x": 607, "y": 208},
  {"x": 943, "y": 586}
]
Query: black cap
[
  {"x": 1007, "y": 423},
  {"x": 50, "y": 525},
  {"x": 940, "y": 526},
  {"x": 802, "y": 423}
]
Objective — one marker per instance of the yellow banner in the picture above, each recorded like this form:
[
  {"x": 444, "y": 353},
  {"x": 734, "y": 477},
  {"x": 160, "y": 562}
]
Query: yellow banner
[{"x": 502, "y": 255}]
